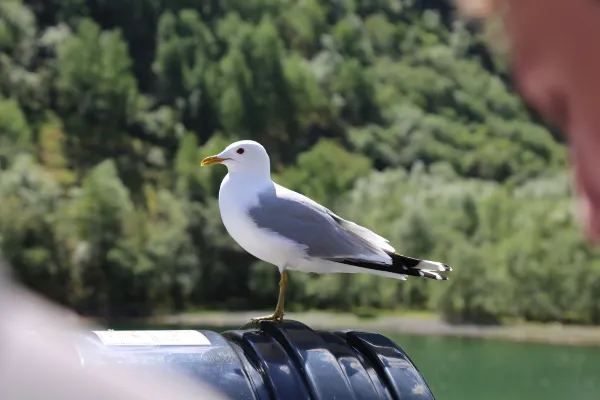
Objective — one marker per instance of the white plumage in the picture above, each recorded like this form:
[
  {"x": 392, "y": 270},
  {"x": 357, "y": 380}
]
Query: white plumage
[{"x": 291, "y": 231}]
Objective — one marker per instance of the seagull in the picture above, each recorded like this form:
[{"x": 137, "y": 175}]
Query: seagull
[{"x": 293, "y": 232}]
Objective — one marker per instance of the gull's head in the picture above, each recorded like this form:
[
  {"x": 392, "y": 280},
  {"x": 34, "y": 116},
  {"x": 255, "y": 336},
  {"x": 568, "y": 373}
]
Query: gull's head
[{"x": 242, "y": 156}]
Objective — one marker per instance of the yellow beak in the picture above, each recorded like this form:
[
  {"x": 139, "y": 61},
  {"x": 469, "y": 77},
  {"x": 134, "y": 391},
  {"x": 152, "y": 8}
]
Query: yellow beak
[{"x": 212, "y": 160}]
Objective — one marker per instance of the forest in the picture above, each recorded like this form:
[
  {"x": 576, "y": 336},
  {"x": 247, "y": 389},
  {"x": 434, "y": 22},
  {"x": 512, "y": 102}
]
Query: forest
[{"x": 396, "y": 114}]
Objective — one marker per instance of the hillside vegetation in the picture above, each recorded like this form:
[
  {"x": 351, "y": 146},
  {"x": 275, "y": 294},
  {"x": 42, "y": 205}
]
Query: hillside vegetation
[{"x": 391, "y": 112}]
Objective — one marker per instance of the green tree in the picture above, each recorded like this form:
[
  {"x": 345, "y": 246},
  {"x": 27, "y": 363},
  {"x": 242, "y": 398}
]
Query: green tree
[
  {"x": 17, "y": 32},
  {"x": 351, "y": 39},
  {"x": 19, "y": 57},
  {"x": 303, "y": 24},
  {"x": 97, "y": 94},
  {"x": 355, "y": 87},
  {"x": 185, "y": 64},
  {"x": 28, "y": 227},
  {"x": 253, "y": 64},
  {"x": 325, "y": 171},
  {"x": 15, "y": 134},
  {"x": 101, "y": 213}
]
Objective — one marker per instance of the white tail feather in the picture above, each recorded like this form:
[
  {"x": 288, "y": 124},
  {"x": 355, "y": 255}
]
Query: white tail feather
[{"x": 427, "y": 265}]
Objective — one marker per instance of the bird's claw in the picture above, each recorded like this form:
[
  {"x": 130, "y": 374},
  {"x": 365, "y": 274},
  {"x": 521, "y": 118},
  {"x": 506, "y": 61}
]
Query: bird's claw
[{"x": 272, "y": 318}]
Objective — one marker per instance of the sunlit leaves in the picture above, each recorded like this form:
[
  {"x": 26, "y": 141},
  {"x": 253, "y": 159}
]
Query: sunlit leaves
[
  {"x": 325, "y": 171},
  {"x": 15, "y": 133}
]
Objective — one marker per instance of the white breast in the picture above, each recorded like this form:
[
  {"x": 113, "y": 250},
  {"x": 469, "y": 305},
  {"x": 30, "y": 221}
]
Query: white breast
[{"x": 235, "y": 199}]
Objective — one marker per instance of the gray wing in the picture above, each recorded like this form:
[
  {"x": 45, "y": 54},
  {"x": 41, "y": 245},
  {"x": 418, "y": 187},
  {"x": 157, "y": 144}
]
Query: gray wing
[{"x": 321, "y": 232}]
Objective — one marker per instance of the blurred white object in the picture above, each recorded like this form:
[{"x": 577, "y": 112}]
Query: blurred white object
[{"x": 38, "y": 360}]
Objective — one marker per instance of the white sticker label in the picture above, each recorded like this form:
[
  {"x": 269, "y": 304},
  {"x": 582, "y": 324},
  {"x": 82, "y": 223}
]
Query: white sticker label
[{"x": 152, "y": 338}]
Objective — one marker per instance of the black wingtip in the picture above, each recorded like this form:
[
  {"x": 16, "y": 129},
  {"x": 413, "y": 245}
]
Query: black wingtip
[{"x": 402, "y": 265}]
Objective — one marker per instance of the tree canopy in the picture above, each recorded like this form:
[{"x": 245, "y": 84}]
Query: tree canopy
[{"x": 392, "y": 112}]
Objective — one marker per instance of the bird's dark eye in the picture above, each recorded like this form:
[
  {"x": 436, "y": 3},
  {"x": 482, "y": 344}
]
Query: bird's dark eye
[{"x": 240, "y": 151}]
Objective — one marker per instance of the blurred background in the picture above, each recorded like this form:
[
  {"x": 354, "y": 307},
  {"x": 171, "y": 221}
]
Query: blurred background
[{"x": 395, "y": 113}]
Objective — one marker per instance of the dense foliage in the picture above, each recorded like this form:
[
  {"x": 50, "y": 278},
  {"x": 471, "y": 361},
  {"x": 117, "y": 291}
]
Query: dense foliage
[{"x": 392, "y": 112}]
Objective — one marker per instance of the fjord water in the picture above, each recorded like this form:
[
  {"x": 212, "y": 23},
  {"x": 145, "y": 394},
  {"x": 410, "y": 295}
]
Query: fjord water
[{"x": 473, "y": 369}]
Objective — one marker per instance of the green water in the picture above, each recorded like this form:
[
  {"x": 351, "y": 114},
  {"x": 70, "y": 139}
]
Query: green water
[{"x": 469, "y": 369}]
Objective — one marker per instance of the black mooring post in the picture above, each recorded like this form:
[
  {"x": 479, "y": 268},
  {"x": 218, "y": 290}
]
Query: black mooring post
[{"x": 270, "y": 361}]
